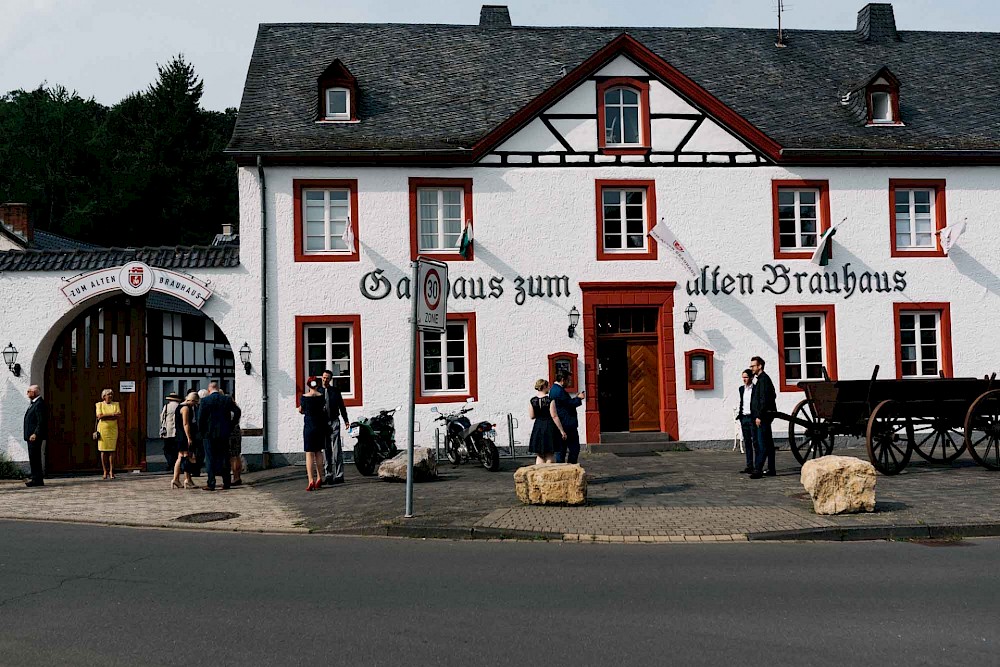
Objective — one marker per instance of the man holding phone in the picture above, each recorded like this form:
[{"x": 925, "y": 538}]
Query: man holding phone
[{"x": 566, "y": 406}]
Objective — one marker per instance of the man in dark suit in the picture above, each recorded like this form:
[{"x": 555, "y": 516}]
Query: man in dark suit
[
  {"x": 335, "y": 409},
  {"x": 217, "y": 415},
  {"x": 35, "y": 421},
  {"x": 762, "y": 409}
]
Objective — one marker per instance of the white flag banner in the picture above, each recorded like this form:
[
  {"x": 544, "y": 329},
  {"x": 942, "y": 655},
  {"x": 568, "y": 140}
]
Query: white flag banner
[
  {"x": 665, "y": 237},
  {"x": 950, "y": 234},
  {"x": 821, "y": 257},
  {"x": 348, "y": 236}
]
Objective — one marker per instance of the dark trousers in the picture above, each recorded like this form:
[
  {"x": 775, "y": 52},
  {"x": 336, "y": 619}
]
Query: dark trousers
[
  {"x": 763, "y": 446},
  {"x": 170, "y": 452},
  {"x": 333, "y": 466},
  {"x": 746, "y": 423},
  {"x": 216, "y": 461},
  {"x": 569, "y": 451},
  {"x": 35, "y": 460}
]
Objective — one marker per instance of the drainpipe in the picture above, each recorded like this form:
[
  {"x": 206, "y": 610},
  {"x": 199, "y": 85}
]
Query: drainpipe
[{"x": 263, "y": 307}]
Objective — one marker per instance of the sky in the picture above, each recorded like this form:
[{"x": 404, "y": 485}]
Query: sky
[{"x": 107, "y": 49}]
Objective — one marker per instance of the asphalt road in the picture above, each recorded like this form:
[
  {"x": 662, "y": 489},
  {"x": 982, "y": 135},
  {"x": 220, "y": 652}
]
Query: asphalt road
[{"x": 89, "y": 595}]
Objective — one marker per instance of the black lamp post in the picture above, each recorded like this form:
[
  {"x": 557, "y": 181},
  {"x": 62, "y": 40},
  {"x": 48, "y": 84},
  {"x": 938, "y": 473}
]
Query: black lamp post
[
  {"x": 691, "y": 313},
  {"x": 10, "y": 358},
  {"x": 574, "y": 319},
  {"x": 245, "y": 358}
]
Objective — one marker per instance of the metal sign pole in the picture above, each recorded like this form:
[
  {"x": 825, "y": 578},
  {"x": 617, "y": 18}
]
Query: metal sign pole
[{"x": 414, "y": 295}]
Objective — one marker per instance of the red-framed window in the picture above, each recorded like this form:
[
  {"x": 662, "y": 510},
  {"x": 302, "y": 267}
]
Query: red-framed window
[
  {"x": 338, "y": 94},
  {"x": 323, "y": 210},
  {"x": 923, "y": 339},
  {"x": 699, "y": 370},
  {"x": 626, "y": 211},
  {"x": 883, "y": 104},
  {"x": 801, "y": 213},
  {"x": 807, "y": 342},
  {"x": 329, "y": 342},
  {"x": 918, "y": 210},
  {"x": 448, "y": 363},
  {"x": 564, "y": 361},
  {"x": 440, "y": 208},
  {"x": 623, "y": 123}
]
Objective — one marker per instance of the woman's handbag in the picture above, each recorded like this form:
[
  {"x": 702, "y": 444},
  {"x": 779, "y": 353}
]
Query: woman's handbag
[{"x": 97, "y": 434}]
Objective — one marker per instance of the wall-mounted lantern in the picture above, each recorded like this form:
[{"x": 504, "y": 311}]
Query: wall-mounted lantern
[
  {"x": 245, "y": 353},
  {"x": 10, "y": 358},
  {"x": 691, "y": 313},
  {"x": 574, "y": 319}
]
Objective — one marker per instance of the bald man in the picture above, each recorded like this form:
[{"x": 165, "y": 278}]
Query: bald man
[{"x": 34, "y": 434}]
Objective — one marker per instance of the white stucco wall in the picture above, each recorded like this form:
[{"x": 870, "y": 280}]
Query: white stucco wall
[{"x": 541, "y": 221}]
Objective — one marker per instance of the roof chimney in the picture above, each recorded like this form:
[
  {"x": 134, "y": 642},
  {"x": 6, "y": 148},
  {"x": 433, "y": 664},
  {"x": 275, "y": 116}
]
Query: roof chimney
[
  {"x": 877, "y": 24},
  {"x": 494, "y": 16},
  {"x": 15, "y": 218}
]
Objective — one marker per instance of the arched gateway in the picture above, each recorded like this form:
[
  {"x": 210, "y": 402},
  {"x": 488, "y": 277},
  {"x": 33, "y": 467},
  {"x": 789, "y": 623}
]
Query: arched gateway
[{"x": 140, "y": 347}]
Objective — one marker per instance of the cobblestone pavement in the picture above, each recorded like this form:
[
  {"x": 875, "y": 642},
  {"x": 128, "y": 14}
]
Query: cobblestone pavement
[
  {"x": 671, "y": 496},
  {"x": 145, "y": 500},
  {"x": 689, "y": 496}
]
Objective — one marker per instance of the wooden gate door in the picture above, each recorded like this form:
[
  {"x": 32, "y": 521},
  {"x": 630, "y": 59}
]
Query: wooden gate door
[
  {"x": 643, "y": 383},
  {"x": 102, "y": 347}
]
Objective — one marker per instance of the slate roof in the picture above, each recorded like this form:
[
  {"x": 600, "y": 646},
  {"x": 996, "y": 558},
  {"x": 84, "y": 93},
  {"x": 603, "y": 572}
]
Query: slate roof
[
  {"x": 433, "y": 88},
  {"x": 82, "y": 260},
  {"x": 43, "y": 240}
]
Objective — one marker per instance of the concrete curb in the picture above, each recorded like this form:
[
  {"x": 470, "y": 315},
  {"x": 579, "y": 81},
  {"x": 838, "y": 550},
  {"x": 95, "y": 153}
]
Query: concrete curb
[
  {"x": 861, "y": 533},
  {"x": 442, "y": 532},
  {"x": 164, "y": 524}
]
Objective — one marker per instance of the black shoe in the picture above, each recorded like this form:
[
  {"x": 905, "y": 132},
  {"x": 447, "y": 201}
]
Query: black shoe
[
  {"x": 770, "y": 473},
  {"x": 238, "y": 482},
  {"x": 34, "y": 483},
  {"x": 756, "y": 474},
  {"x": 746, "y": 471},
  {"x": 226, "y": 487},
  {"x": 336, "y": 480}
]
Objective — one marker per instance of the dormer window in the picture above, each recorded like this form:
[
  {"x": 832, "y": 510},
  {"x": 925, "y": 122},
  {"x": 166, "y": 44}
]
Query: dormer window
[
  {"x": 882, "y": 97},
  {"x": 623, "y": 115},
  {"x": 338, "y": 95},
  {"x": 882, "y": 107},
  {"x": 338, "y": 104}
]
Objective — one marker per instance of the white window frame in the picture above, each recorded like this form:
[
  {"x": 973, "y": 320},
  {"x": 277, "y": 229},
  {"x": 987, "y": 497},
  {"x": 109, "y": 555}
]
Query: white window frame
[
  {"x": 344, "y": 115},
  {"x": 439, "y": 220},
  {"x": 918, "y": 352},
  {"x": 888, "y": 118},
  {"x": 329, "y": 238},
  {"x": 621, "y": 106},
  {"x": 443, "y": 373},
  {"x": 912, "y": 219},
  {"x": 797, "y": 205},
  {"x": 623, "y": 232},
  {"x": 328, "y": 361},
  {"x": 802, "y": 348}
]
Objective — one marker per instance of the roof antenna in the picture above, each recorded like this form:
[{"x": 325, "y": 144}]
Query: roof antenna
[{"x": 781, "y": 37}]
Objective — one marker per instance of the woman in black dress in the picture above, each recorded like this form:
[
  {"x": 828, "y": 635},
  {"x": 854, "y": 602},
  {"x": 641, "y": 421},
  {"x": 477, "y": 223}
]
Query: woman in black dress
[
  {"x": 547, "y": 430},
  {"x": 313, "y": 408}
]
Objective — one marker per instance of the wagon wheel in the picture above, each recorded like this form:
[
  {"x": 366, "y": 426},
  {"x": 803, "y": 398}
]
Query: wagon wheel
[
  {"x": 889, "y": 438},
  {"x": 938, "y": 440},
  {"x": 810, "y": 442},
  {"x": 982, "y": 430}
]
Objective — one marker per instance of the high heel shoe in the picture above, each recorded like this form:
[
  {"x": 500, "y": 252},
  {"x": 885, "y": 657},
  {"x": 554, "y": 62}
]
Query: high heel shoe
[
  {"x": 311, "y": 487},
  {"x": 319, "y": 485},
  {"x": 174, "y": 484},
  {"x": 190, "y": 485}
]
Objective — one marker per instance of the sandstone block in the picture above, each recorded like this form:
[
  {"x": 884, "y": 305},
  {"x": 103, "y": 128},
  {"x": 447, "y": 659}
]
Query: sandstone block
[
  {"x": 424, "y": 466},
  {"x": 551, "y": 484},
  {"x": 839, "y": 484}
]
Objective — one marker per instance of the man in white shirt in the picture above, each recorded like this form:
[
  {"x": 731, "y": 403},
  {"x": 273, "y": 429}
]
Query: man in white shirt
[{"x": 746, "y": 422}]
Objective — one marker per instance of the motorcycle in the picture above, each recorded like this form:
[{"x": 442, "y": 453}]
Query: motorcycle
[
  {"x": 464, "y": 440},
  {"x": 376, "y": 441}
]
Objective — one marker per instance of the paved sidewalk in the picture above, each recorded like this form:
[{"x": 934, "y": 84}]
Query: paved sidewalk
[
  {"x": 146, "y": 500},
  {"x": 666, "y": 497}
]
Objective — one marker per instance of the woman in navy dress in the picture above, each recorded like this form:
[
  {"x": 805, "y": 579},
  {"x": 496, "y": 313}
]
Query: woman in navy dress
[
  {"x": 313, "y": 408},
  {"x": 547, "y": 431}
]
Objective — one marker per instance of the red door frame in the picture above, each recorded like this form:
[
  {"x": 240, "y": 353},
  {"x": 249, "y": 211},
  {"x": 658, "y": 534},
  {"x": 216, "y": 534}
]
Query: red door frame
[{"x": 630, "y": 295}]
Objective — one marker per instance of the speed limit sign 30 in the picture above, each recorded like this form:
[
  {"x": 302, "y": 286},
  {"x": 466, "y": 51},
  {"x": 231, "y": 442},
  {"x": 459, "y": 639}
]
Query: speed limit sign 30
[{"x": 432, "y": 295}]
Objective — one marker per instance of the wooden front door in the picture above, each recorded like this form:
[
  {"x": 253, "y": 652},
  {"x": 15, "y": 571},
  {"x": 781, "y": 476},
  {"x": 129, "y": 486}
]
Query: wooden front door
[
  {"x": 643, "y": 389},
  {"x": 102, "y": 347}
]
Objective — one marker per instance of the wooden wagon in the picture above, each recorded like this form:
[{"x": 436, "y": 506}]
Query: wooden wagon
[{"x": 938, "y": 418}]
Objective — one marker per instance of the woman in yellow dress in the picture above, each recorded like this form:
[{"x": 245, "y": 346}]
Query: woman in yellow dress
[{"x": 108, "y": 414}]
